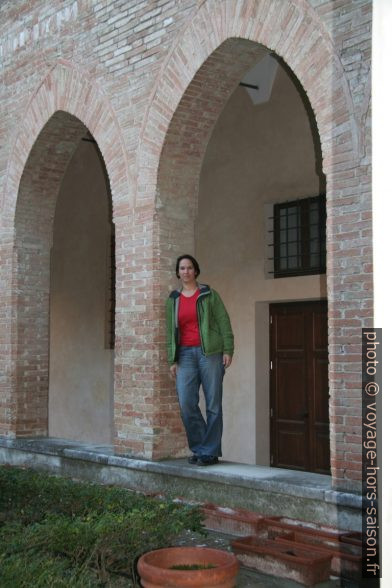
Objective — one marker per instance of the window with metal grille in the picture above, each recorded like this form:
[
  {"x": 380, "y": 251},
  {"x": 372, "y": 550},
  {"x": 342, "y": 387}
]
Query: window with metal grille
[{"x": 299, "y": 237}]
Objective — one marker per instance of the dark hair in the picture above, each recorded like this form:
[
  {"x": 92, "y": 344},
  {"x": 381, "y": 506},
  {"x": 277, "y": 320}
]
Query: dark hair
[{"x": 192, "y": 260}]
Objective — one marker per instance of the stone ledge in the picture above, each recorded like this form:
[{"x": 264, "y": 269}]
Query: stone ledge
[{"x": 261, "y": 489}]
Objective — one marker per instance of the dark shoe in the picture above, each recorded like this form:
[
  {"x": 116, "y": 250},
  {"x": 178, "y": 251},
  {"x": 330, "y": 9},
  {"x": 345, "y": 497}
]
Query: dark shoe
[
  {"x": 193, "y": 459},
  {"x": 206, "y": 460}
]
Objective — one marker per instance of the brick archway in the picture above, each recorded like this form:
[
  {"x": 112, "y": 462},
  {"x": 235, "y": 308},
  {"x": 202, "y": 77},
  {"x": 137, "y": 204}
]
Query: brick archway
[
  {"x": 63, "y": 108},
  {"x": 66, "y": 89},
  {"x": 280, "y": 27},
  {"x": 203, "y": 68}
]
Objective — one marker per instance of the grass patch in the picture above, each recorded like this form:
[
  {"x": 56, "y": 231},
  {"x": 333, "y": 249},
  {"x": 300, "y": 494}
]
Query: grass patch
[{"x": 56, "y": 532}]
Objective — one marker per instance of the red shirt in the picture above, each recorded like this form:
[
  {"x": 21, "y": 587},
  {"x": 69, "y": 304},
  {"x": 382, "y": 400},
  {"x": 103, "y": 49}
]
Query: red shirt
[{"x": 187, "y": 321}]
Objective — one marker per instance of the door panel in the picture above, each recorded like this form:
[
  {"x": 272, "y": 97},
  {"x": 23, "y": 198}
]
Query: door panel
[
  {"x": 291, "y": 446},
  {"x": 291, "y": 400},
  {"x": 322, "y": 453},
  {"x": 299, "y": 386},
  {"x": 320, "y": 328},
  {"x": 289, "y": 335},
  {"x": 321, "y": 409}
]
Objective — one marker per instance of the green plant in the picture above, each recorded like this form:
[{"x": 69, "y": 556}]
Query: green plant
[
  {"x": 28, "y": 496},
  {"x": 63, "y": 533}
]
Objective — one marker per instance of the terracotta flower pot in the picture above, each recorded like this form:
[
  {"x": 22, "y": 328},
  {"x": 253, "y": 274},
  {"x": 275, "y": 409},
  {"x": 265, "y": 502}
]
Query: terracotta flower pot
[
  {"x": 352, "y": 538},
  {"x": 299, "y": 564},
  {"x": 278, "y": 526},
  {"x": 234, "y": 521},
  {"x": 156, "y": 568},
  {"x": 346, "y": 559}
]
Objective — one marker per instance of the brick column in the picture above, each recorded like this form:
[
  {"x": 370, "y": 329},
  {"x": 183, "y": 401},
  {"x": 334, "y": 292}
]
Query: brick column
[
  {"x": 146, "y": 413},
  {"x": 8, "y": 353}
]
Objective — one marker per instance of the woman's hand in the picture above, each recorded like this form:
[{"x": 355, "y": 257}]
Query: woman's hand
[
  {"x": 173, "y": 371},
  {"x": 227, "y": 360}
]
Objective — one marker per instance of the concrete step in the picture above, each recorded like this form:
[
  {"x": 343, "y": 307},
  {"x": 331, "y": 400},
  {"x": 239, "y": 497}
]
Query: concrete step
[{"x": 265, "y": 490}]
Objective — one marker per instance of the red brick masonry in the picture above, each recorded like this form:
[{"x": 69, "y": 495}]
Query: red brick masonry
[{"x": 142, "y": 78}]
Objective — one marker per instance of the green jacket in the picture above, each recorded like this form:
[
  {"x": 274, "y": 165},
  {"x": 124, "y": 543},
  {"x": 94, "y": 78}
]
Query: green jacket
[{"x": 214, "y": 323}]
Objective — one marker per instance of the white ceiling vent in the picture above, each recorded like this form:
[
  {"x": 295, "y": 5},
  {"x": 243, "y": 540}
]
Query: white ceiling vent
[{"x": 260, "y": 79}]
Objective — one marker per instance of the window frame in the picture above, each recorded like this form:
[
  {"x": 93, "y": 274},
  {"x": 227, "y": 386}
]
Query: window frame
[{"x": 303, "y": 241}]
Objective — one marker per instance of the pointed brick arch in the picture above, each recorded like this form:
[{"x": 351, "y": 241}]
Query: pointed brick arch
[
  {"x": 61, "y": 110},
  {"x": 184, "y": 106},
  {"x": 39, "y": 187},
  {"x": 66, "y": 89},
  {"x": 294, "y": 32}
]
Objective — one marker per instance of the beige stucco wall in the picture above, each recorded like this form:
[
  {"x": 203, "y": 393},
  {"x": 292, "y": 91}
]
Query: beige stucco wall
[
  {"x": 257, "y": 155},
  {"x": 81, "y": 369}
]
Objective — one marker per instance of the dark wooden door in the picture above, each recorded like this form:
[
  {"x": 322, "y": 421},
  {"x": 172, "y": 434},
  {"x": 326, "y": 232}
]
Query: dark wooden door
[{"x": 299, "y": 386}]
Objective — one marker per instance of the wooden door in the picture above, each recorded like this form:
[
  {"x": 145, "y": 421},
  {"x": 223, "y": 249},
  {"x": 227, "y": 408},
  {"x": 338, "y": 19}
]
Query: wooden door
[{"x": 299, "y": 386}]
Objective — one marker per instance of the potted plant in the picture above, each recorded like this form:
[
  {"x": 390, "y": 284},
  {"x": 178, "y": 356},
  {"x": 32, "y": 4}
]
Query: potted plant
[{"x": 188, "y": 567}]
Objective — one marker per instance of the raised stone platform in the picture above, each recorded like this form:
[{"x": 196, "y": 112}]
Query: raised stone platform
[{"x": 271, "y": 491}]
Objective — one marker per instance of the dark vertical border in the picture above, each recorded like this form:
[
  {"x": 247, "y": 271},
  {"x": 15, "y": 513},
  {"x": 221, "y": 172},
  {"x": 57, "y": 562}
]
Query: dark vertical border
[{"x": 371, "y": 452}]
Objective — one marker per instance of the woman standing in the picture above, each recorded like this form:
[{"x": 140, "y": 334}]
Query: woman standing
[{"x": 200, "y": 346}]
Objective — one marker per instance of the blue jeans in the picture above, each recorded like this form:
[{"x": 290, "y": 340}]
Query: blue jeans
[{"x": 193, "y": 369}]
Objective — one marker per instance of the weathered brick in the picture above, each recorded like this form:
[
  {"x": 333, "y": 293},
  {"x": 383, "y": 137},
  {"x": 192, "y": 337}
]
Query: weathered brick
[{"x": 149, "y": 79}]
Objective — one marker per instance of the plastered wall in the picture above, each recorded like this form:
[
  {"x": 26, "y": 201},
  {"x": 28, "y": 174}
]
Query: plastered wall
[
  {"x": 81, "y": 369},
  {"x": 257, "y": 155},
  {"x": 148, "y": 80}
]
